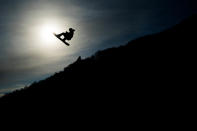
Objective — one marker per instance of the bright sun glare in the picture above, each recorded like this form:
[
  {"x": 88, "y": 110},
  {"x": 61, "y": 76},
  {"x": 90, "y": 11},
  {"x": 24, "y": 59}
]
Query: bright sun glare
[{"x": 46, "y": 33}]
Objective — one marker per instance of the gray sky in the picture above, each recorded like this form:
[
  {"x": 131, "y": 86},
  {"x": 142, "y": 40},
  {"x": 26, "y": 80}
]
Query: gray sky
[{"x": 26, "y": 56}]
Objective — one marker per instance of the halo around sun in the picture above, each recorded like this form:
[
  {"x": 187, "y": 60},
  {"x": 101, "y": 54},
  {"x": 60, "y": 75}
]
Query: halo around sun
[{"x": 46, "y": 32}]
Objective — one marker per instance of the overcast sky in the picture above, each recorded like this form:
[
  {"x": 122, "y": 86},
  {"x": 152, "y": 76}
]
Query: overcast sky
[{"x": 25, "y": 57}]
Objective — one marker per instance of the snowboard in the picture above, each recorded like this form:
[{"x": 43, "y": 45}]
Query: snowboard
[{"x": 61, "y": 39}]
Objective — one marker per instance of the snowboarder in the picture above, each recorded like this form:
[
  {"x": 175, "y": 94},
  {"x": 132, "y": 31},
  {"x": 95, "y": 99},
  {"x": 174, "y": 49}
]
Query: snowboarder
[{"x": 66, "y": 36}]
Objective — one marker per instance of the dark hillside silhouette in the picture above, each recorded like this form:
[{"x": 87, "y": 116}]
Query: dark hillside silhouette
[{"x": 148, "y": 69}]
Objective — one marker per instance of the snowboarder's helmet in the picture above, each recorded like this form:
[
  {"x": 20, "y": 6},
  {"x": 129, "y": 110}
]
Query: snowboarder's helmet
[{"x": 71, "y": 29}]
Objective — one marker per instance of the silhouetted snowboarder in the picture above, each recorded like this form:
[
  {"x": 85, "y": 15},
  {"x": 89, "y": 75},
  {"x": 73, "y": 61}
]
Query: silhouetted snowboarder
[{"x": 66, "y": 36}]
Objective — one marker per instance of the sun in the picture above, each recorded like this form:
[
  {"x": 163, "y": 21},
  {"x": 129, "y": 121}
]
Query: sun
[{"x": 46, "y": 33}]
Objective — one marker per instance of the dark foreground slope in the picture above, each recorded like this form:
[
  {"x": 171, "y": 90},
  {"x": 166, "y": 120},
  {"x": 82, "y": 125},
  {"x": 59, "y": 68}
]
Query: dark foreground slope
[{"x": 143, "y": 70}]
